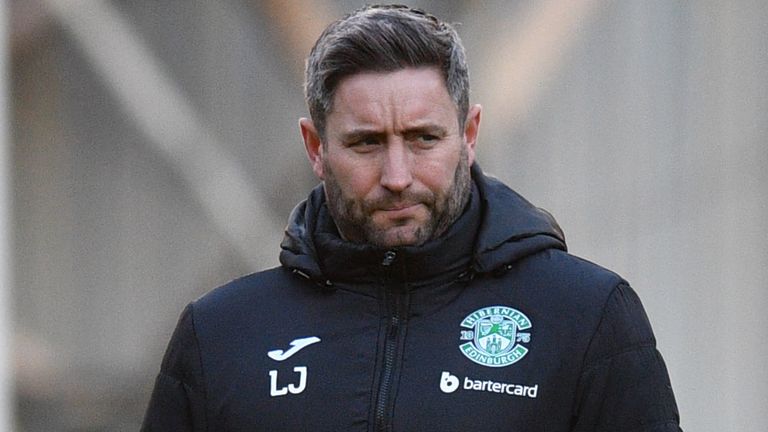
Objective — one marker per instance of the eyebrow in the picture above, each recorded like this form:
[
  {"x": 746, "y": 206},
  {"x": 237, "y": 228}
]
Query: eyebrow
[
  {"x": 431, "y": 129},
  {"x": 356, "y": 134}
]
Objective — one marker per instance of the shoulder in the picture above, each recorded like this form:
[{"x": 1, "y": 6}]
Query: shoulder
[
  {"x": 618, "y": 318},
  {"x": 244, "y": 289},
  {"x": 247, "y": 298},
  {"x": 596, "y": 304},
  {"x": 244, "y": 309},
  {"x": 568, "y": 277}
]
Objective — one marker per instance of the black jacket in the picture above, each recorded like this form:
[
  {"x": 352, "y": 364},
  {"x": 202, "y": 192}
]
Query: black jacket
[{"x": 494, "y": 326}]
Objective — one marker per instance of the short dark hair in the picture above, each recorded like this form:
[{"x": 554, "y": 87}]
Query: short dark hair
[{"x": 383, "y": 38}]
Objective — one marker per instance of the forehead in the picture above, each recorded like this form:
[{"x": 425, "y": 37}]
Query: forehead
[{"x": 404, "y": 95}]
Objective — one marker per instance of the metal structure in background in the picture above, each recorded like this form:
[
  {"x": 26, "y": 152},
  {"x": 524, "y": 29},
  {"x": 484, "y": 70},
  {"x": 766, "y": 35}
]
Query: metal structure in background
[
  {"x": 150, "y": 97},
  {"x": 530, "y": 57},
  {"x": 299, "y": 23}
]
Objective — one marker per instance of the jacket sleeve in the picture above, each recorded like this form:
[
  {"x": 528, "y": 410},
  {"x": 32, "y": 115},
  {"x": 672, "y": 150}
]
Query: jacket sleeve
[
  {"x": 624, "y": 385},
  {"x": 178, "y": 398}
]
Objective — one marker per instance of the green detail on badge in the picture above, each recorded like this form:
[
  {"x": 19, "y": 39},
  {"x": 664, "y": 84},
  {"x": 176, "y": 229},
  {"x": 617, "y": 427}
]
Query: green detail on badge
[{"x": 495, "y": 339}]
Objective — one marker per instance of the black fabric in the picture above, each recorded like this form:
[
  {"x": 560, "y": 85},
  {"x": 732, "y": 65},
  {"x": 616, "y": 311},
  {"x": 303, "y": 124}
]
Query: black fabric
[
  {"x": 178, "y": 399},
  {"x": 388, "y": 349}
]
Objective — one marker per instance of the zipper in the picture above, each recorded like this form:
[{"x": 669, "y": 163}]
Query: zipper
[
  {"x": 385, "y": 387},
  {"x": 391, "y": 342}
]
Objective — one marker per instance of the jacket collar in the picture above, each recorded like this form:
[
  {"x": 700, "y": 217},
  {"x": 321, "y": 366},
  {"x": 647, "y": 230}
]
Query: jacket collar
[
  {"x": 497, "y": 228},
  {"x": 442, "y": 258}
]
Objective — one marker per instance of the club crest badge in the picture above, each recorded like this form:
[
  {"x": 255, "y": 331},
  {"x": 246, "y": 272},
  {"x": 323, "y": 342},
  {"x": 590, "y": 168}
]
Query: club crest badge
[{"x": 494, "y": 336}]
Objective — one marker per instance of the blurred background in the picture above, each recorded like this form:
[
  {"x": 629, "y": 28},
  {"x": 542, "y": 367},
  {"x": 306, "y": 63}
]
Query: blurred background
[{"x": 149, "y": 151}]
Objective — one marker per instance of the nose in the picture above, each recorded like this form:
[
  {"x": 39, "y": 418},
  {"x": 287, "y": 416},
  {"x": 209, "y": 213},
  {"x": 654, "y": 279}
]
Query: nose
[{"x": 396, "y": 171}]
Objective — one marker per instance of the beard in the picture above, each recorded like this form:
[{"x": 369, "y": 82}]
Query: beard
[{"x": 354, "y": 217}]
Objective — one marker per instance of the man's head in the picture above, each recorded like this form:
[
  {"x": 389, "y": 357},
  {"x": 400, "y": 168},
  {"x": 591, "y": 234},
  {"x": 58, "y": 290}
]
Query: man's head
[
  {"x": 383, "y": 39},
  {"x": 390, "y": 138}
]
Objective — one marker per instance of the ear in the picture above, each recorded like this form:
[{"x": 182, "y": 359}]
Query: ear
[
  {"x": 313, "y": 145},
  {"x": 471, "y": 130}
]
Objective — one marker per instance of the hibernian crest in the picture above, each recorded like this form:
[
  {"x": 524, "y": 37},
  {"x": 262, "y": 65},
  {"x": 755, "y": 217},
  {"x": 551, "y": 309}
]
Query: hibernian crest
[{"x": 494, "y": 337}]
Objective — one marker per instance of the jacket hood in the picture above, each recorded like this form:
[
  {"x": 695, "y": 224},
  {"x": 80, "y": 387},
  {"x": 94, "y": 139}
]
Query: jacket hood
[
  {"x": 498, "y": 228},
  {"x": 511, "y": 228}
]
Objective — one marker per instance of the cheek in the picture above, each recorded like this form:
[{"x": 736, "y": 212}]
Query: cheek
[
  {"x": 355, "y": 179},
  {"x": 437, "y": 174}
]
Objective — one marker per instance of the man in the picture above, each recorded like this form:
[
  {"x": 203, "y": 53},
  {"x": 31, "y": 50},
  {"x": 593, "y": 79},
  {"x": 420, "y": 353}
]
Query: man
[{"x": 415, "y": 293}]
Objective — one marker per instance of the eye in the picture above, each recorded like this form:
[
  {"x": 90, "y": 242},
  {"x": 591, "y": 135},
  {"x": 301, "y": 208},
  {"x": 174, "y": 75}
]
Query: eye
[
  {"x": 426, "y": 141},
  {"x": 365, "y": 144},
  {"x": 369, "y": 141}
]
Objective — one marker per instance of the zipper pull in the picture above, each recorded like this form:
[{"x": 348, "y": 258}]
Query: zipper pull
[{"x": 389, "y": 258}]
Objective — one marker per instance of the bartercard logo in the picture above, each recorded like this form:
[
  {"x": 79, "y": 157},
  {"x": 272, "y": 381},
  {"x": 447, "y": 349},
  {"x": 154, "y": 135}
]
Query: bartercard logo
[
  {"x": 450, "y": 383},
  {"x": 494, "y": 337}
]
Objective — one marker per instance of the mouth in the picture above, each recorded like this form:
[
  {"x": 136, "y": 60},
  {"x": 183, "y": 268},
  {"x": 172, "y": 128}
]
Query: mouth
[
  {"x": 397, "y": 207},
  {"x": 400, "y": 211}
]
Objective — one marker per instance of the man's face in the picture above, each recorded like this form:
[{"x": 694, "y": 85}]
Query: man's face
[{"x": 394, "y": 163}]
